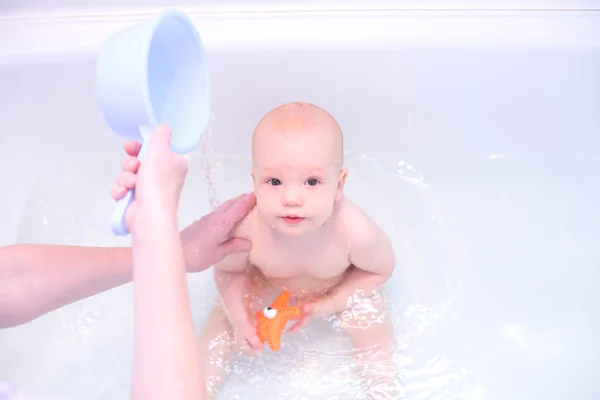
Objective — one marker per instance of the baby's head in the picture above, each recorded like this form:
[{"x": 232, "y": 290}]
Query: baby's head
[{"x": 297, "y": 158}]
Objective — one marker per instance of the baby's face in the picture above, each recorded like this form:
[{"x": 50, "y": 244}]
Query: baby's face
[{"x": 297, "y": 180}]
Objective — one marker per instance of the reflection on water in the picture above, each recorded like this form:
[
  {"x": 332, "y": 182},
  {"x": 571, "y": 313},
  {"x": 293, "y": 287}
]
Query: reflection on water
[
  {"x": 398, "y": 169},
  {"x": 493, "y": 295}
]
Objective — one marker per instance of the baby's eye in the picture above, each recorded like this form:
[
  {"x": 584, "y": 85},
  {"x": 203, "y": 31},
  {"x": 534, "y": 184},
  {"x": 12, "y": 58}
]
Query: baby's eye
[
  {"x": 312, "y": 182},
  {"x": 274, "y": 182}
]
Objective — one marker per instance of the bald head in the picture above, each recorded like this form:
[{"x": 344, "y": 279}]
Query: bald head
[{"x": 297, "y": 119}]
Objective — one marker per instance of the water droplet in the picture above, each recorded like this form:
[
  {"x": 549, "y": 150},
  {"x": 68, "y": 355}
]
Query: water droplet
[{"x": 209, "y": 169}]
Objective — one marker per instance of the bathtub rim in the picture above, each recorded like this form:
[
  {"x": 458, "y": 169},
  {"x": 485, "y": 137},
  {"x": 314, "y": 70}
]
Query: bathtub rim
[
  {"x": 338, "y": 29},
  {"x": 254, "y": 6}
]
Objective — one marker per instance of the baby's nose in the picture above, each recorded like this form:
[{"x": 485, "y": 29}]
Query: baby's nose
[{"x": 291, "y": 198}]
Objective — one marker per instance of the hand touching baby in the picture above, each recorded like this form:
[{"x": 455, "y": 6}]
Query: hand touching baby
[{"x": 203, "y": 240}]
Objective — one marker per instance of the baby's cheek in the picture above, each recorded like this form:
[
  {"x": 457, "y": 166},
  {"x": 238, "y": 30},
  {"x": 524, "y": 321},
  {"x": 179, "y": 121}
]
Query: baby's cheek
[
  {"x": 265, "y": 203},
  {"x": 261, "y": 195},
  {"x": 325, "y": 207}
]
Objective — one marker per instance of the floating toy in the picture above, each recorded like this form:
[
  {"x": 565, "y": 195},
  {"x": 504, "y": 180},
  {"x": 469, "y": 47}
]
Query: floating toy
[{"x": 271, "y": 321}]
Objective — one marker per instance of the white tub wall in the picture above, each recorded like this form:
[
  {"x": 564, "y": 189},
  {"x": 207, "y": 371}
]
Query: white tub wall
[
  {"x": 436, "y": 59},
  {"x": 499, "y": 82}
]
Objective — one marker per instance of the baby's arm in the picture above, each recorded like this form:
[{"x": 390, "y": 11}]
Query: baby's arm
[
  {"x": 371, "y": 255},
  {"x": 232, "y": 285},
  {"x": 232, "y": 281}
]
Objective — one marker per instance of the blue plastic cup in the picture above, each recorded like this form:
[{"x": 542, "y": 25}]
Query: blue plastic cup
[{"x": 150, "y": 74}]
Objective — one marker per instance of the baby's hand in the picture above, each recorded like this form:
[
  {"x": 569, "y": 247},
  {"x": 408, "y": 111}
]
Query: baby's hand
[
  {"x": 301, "y": 322},
  {"x": 323, "y": 307},
  {"x": 320, "y": 308},
  {"x": 246, "y": 338}
]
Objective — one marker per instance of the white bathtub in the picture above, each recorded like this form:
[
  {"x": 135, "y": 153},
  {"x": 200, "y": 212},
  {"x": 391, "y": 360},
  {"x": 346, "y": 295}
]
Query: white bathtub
[{"x": 494, "y": 213}]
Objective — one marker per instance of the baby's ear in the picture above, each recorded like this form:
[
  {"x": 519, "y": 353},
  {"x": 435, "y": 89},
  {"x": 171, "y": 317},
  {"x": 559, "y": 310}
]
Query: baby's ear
[{"x": 341, "y": 183}]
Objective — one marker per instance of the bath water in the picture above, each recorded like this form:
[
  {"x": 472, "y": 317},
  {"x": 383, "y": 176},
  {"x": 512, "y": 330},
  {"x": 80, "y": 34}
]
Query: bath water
[
  {"x": 483, "y": 246},
  {"x": 488, "y": 251}
]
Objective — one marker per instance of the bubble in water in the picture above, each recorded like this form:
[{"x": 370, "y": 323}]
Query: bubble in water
[{"x": 401, "y": 169}]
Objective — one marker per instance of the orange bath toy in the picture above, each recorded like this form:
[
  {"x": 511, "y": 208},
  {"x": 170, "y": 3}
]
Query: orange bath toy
[{"x": 271, "y": 321}]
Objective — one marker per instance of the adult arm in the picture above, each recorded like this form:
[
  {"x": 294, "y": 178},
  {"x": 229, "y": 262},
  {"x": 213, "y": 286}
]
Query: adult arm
[
  {"x": 36, "y": 279},
  {"x": 167, "y": 363}
]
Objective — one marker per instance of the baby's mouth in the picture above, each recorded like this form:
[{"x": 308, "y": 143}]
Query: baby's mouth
[{"x": 292, "y": 219}]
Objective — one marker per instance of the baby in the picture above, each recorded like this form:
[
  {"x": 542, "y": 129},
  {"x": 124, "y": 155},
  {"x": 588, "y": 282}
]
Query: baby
[{"x": 308, "y": 239}]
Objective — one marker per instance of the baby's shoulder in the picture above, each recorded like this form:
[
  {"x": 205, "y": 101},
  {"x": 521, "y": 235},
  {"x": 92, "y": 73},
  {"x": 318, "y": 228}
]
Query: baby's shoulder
[
  {"x": 245, "y": 227},
  {"x": 355, "y": 223}
]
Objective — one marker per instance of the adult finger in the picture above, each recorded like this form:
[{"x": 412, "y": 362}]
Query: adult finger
[
  {"x": 234, "y": 245},
  {"x": 132, "y": 148},
  {"x": 117, "y": 192},
  {"x": 181, "y": 164},
  {"x": 239, "y": 209},
  {"x": 225, "y": 206},
  {"x": 161, "y": 136},
  {"x": 131, "y": 164},
  {"x": 126, "y": 179}
]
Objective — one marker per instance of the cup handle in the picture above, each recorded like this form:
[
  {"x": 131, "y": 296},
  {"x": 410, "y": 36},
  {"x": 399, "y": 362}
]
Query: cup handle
[{"x": 117, "y": 220}]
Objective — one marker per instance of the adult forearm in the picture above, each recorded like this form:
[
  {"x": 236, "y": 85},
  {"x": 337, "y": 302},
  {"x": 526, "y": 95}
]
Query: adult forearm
[
  {"x": 36, "y": 279},
  {"x": 164, "y": 331}
]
